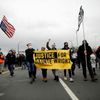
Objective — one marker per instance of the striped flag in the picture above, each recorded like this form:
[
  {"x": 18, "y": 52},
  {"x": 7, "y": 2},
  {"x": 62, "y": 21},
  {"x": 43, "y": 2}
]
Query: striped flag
[
  {"x": 80, "y": 17},
  {"x": 7, "y": 28}
]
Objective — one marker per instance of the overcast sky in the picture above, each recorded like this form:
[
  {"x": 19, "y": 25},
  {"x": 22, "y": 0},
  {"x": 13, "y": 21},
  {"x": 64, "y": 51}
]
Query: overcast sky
[{"x": 36, "y": 21}]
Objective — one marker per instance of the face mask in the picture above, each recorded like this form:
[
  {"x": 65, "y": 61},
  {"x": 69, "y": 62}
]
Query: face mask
[
  {"x": 30, "y": 46},
  {"x": 65, "y": 45},
  {"x": 10, "y": 52}
]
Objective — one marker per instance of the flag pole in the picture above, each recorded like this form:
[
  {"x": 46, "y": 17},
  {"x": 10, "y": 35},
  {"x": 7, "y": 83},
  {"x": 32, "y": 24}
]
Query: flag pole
[
  {"x": 18, "y": 47},
  {"x": 85, "y": 51},
  {"x": 81, "y": 20},
  {"x": 77, "y": 39}
]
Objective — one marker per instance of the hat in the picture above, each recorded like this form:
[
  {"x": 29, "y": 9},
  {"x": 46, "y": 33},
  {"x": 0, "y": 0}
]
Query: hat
[
  {"x": 42, "y": 48},
  {"x": 12, "y": 51},
  {"x": 84, "y": 41},
  {"x": 29, "y": 44},
  {"x": 65, "y": 43}
]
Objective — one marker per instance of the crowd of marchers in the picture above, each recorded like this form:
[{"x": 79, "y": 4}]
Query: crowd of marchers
[{"x": 83, "y": 56}]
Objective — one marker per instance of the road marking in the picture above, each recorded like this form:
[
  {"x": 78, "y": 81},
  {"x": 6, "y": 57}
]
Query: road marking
[
  {"x": 68, "y": 90},
  {"x": 1, "y": 94},
  {"x": 8, "y": 71},
  {"x": 5, "y": 72}
]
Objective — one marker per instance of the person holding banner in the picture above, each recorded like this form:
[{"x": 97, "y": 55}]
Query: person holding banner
[
  {"x": 44, "y": 71},
  {"x": 53, "y": 70},
  {"x": 69, "y": 70},
  {"x": 30, "y": 62}
]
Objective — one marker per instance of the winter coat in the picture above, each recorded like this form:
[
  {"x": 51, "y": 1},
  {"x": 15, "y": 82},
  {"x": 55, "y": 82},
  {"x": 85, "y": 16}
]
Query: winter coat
[
  {"x": 98, "y": 53},
  {"x": 11, "y": 58},
  {"x": 81, "y": 52},
  {"x": 29, "y": 54}
]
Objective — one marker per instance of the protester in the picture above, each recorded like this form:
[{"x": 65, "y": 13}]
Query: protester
[
  {"x": 2, "y": 60},
  {"x": 30, "y": 62},
  {"x": 44, "y": 71},
  {"x": 73, "y": 59},
  {"x": 53, "y": 70},
  {"x": 93, "y": 62},
  {"x": 11, "y": 58},
  {"x": 69, "y": 70},
  {"x": 98, "y": 55},
  {"x": 84, "y": 52},
  {"x": 21, "y": 60}
]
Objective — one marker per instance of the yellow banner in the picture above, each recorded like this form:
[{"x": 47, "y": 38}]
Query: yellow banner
[{"x": 52, "y": 59}]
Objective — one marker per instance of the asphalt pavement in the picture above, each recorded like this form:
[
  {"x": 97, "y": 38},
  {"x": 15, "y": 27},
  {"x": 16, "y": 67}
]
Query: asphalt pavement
[{"x": 19, "y": 87}]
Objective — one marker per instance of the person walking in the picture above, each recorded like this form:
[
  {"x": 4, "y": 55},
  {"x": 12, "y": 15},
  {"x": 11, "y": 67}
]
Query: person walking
[
  {"x": 2, "y": 60},
  {"x": 98, "y": 55},
  {"x": 74, "y": 60},
  {"x": 30, "y": 62},
  {"x": 54, "y": 71},
  {"x": 11, "y": 58},
  {"x": 69, "y": 70},
  {"x": 44, "y": 71},
  {"x": 93, "y": 62},
  {"x": 84, "y": 52}
]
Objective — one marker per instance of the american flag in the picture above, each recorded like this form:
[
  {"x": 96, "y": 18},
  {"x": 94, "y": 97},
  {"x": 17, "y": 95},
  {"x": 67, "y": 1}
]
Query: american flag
[{"x": 7, "y": 28}]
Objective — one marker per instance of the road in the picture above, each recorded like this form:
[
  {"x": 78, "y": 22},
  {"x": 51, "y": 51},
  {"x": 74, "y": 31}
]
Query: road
[{"x": 19, "y": 88}]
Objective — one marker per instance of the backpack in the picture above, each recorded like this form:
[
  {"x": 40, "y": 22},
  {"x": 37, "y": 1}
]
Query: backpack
[{"x": 1, "y": 58}]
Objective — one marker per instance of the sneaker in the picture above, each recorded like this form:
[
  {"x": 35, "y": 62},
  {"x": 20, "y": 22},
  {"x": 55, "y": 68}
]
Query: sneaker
[
  {"x": 71, "y": 80},
  {"x": 65, "y": 78},
  {"x": 44, "y": 80},
  {"x": 57, "y": 78},
  {"x": 93, "y": 80},
  {"x": 32, "y": 80}
]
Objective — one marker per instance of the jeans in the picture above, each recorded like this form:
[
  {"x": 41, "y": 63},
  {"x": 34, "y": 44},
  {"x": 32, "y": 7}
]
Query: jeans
[
  {"x": 11, "y": 69},
  {"x": 30, "y": 66},
  {"x": 31, "y": 69}
]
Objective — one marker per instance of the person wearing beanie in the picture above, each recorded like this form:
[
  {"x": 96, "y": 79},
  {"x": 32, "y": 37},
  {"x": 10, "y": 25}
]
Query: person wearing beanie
[{"x": 30, "y": 62}]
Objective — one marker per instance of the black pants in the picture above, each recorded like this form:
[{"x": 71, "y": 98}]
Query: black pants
[
  {"x": 69, "y": 72},
  {"x": 44, "y": 73},
  {"x": 35, "y": 70},
  {"x": 73, "y": 67},
  {"x": 11, "y": 69},
  {"x": 89, "y": 69},
  {"x": 98, "y": 60}
]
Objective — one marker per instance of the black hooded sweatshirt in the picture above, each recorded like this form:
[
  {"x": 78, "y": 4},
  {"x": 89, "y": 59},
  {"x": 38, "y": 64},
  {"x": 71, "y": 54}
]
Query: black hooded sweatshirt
[{"x": 81, "y": 54}]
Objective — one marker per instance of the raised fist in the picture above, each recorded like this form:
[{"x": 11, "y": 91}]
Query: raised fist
[{"x": 49, "y": 40}]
